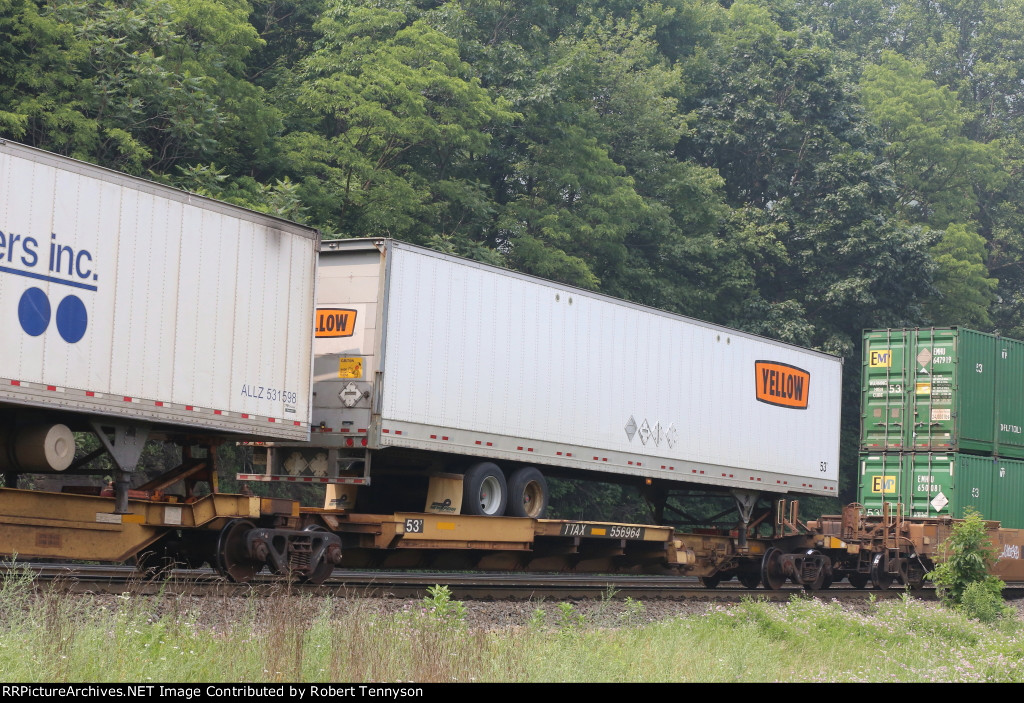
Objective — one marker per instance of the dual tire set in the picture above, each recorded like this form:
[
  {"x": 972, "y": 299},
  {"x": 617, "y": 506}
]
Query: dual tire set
[{"x": 486, "y": 491}]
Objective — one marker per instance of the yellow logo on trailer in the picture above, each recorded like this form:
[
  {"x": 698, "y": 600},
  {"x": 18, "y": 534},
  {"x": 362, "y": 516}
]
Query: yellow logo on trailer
[
  {"x": 883, "y": 484},
  {"x": 881, "y": 358},
  {"x": 334, "y": 322}
]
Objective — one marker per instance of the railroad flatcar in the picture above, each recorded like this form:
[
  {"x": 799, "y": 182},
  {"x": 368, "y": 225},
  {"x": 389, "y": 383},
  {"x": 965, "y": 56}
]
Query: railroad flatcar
[{"x": 429, "y": 395}]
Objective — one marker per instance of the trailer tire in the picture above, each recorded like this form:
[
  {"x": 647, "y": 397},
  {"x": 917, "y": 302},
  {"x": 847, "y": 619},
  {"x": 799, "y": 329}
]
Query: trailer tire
[
  {"x": 527, "y": 493},
  {"x": 484, "y": 491}
]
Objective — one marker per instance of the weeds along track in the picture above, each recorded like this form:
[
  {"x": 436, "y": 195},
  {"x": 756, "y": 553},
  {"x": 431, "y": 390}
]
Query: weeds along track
[{"x": 83, "y": 578}]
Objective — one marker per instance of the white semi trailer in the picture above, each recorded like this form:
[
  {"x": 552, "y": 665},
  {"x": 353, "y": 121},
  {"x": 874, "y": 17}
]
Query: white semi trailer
[
  {"x": 428, "y": 365},
  {"x": 135, "y": 310}
]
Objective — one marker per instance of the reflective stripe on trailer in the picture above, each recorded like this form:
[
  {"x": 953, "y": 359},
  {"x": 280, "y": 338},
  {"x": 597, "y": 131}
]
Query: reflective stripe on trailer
[
  {"x": 30, "y": 386},
  {"x": 299, "y": 479}
]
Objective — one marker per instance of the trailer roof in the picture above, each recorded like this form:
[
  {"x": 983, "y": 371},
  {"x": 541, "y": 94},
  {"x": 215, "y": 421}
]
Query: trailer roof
[
  {"x": 66, "y": 163},
  {"x": 382, "y": 243}
]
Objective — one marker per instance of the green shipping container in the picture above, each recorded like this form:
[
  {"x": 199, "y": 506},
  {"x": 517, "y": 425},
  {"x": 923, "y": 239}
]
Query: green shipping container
[
  {"x": 944, "y": 484},
  {"x": 942, "y": 389}
]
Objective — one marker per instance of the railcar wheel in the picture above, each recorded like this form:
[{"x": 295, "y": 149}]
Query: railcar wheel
[
  {"x": 484, "y": 491},
  {"x": 749, "y": 579},
  {"x": 233, "y": 560},
  {"x": 527, "y": 493},
  {"x": 771, "y": 569},
  {"x": 880, "y": 578},
  {"x": 857, "y": 579},
  {"x": 710, "y": 581}
]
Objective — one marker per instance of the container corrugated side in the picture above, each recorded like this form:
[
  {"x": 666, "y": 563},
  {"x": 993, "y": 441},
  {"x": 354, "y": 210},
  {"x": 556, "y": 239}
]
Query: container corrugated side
[
  {"x": 1008, "y": 493},
  {"x": 953, "y": 373},
  {"x": 881, "y": 479},
  {"x": 944, "y": 484},
  {"x": 488, "y": 362},
  {"x": 941, "y": 389},
  {"x": 1010, "y": 397},
  {"x": 123, "y": 297},
  {"x": 884, "y": 382}
]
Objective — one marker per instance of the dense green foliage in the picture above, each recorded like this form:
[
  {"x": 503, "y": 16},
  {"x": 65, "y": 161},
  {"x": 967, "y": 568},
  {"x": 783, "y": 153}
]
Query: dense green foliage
[
  {"x": 801, "y": 170},
  {"x": 962, "y": 579}
]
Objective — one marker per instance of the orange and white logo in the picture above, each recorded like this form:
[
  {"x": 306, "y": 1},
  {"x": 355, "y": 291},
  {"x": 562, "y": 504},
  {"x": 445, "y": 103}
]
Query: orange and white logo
[
  {"x": 334, "y": 322},
  {"x": 781, "y": 384}
]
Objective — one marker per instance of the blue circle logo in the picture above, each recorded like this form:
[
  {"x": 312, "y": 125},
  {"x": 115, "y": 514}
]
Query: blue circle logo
[
  {"x": 72, "y": 319},
  {"x": 34, "y": 311},
  {"x": 34, "y": 315}
]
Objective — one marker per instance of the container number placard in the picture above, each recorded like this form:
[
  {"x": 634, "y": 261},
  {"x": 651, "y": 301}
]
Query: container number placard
[{"x": 582, "y": 529}]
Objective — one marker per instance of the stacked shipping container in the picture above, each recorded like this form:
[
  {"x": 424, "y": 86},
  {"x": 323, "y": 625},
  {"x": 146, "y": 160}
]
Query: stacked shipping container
[{"x": 942, "y": 411}]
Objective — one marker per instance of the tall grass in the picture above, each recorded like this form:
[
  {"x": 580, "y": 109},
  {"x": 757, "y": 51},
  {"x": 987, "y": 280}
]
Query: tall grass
[{"x": 49, "y": 636}]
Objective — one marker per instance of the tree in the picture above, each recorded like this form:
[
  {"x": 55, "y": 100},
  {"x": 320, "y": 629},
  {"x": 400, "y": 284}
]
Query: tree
[
  {"x": 40, "y": 103},
  {"x": 774, "y": 111},
  {"x": 398, "y": 116},
  {"x": 136, "y": 85},
  {"x": 939, "y": 173},
  {"x": 962, "y": 280},
  {"x": 937, "y": 169}
]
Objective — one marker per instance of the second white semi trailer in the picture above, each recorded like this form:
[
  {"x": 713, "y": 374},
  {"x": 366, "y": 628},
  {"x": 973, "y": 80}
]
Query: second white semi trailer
[{"x": 428, "y": 365}]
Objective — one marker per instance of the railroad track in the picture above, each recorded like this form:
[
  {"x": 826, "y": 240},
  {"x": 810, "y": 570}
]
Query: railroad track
[{"x": 78, "y": 578}]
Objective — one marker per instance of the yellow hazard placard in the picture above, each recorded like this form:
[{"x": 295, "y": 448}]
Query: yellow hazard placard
[{"x": 350, "y": 367}]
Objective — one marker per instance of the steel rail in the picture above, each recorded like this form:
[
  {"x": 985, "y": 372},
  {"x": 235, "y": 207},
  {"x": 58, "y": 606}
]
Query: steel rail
[{"x": 83, "y": 578}]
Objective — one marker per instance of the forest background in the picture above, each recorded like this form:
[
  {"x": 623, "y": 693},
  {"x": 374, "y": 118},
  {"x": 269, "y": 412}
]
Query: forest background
[{"x": 799, "y": 170}]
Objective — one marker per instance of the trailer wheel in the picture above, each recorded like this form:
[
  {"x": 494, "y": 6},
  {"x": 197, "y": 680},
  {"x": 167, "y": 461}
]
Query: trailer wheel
[
  {"x": 232, "y": 557},
  {"x": 915, "y": 574},
  {"x": 528, "y": 493},
  {"x": 484, "y": 491}
]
